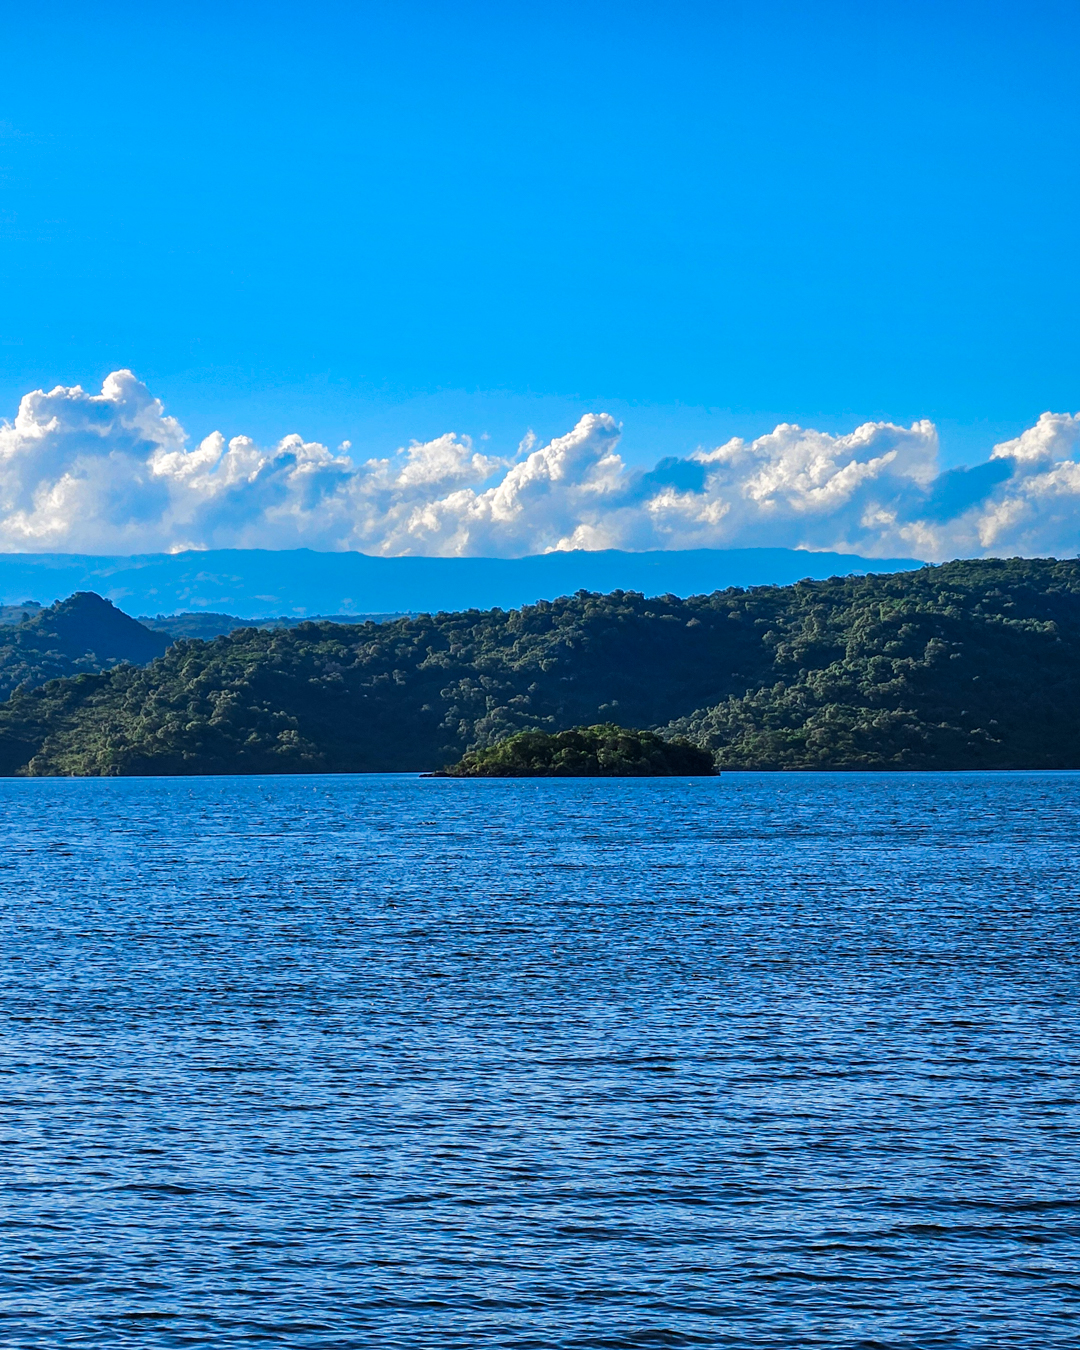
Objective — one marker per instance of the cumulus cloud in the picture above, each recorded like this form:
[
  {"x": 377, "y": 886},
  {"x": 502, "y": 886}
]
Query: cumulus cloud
[{"x": 112, "y": 473}]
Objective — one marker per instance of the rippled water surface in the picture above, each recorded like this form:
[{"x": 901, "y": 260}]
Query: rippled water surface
[{"x": 770, "y": 1060}]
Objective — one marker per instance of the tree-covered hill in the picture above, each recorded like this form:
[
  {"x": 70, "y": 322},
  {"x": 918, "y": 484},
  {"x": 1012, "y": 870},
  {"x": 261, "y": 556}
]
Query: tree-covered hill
[
  {"x": 972, "y": 664},
  {"x": 82, "y": 633},
  {"x": 206, "y": 625},
  {"x": 411, "y": 694},
  {"x": 606, "y": 751}
]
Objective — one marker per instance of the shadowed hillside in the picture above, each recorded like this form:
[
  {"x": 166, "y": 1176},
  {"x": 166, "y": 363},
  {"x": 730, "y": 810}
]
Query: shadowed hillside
[
  {"x": 968, "y": 665},
  {"x": 210, "y": 625},
  {"x": 82, "y": 633}
]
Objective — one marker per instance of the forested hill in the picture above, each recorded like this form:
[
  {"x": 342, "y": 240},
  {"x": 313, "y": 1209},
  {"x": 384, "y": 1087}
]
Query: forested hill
[
  {"x": 82, "y": 633},
  {"x": 972, "y": 664},
  {"x": 207, "y": 625}
]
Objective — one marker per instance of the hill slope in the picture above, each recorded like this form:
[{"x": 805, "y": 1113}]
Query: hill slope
[
  {"x": 208, "y": 625},
  {"x": 969, "y": 665},
  {"x": 972, "y": 665},
  {"x": 82, "y": 633}
]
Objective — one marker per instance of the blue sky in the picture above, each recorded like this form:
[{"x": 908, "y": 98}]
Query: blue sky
[{"x": 385, "y": 221}]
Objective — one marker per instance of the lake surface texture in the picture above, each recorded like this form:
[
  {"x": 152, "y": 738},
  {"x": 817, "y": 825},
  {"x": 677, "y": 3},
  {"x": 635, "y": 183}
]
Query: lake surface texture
[{"x": 765, "y": 1061}]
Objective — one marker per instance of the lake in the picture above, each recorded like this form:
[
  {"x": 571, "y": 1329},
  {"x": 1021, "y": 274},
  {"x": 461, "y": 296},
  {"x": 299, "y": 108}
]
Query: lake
[{"x": 760, "y": 1061}]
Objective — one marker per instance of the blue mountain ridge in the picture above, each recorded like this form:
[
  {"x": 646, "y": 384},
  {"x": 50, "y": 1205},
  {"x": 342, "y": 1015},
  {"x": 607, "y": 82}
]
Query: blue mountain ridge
[{"x": 254, "y": 583}]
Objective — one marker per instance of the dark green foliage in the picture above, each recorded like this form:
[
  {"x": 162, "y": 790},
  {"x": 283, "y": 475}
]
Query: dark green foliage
[
  {"x": 605, "y": 751},
  {"x": 969, "y": 665},
  {"x": 973, "y": 665},
  {"x": 204, "y": 625},
  {"x": 207, "y": 625},
  {"x": 406, "y": 695},
  {"x": 82, "y": 633}
]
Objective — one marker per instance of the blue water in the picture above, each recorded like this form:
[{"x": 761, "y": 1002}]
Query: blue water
[{"x": 764, "y": 1061}]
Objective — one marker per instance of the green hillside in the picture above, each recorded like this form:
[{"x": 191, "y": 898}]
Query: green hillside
[
  {"x": 968, "y": 665},
  {"x": 206, "y": 624},
  {"x": 973, "y": 665},
  {"x": 82, "y": 633}
]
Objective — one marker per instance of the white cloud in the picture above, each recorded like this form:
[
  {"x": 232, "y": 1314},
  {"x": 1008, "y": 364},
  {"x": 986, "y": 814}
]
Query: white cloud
[
  {"x": 1053, "y": 437},
  {"x": 112, "y": 473}
]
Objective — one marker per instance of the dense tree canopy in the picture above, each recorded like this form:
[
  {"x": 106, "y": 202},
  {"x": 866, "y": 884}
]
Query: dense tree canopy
[
  {"x": 82, "y": 633},
  {"x": 605, "y": 751},
  {"x": 968, "y": 665},
  {"x": 206, "y": 624}
]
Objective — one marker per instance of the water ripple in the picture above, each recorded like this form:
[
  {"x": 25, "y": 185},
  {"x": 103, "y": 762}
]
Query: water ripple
[{"x": 767, "y": 1061}]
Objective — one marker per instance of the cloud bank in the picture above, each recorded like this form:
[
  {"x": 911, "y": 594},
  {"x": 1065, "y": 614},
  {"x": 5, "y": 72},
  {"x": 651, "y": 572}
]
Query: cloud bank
[{"x": 111, "y": 473}]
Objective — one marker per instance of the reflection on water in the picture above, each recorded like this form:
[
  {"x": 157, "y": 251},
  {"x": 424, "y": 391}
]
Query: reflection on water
[{"x": 766, "y": 1061}]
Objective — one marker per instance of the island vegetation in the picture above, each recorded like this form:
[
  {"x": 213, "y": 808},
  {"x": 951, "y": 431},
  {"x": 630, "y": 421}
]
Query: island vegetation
[
  {"x": 968, "y": 665},
  {"x": 604, "y": 751}
]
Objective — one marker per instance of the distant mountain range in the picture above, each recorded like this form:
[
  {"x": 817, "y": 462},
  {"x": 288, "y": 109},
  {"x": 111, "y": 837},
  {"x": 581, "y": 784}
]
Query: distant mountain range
[{"x": 256, "y": 583}]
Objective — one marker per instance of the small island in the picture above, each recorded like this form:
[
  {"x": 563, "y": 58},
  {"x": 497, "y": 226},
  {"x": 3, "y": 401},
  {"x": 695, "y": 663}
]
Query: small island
[{"x": 604, "y": 751}]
